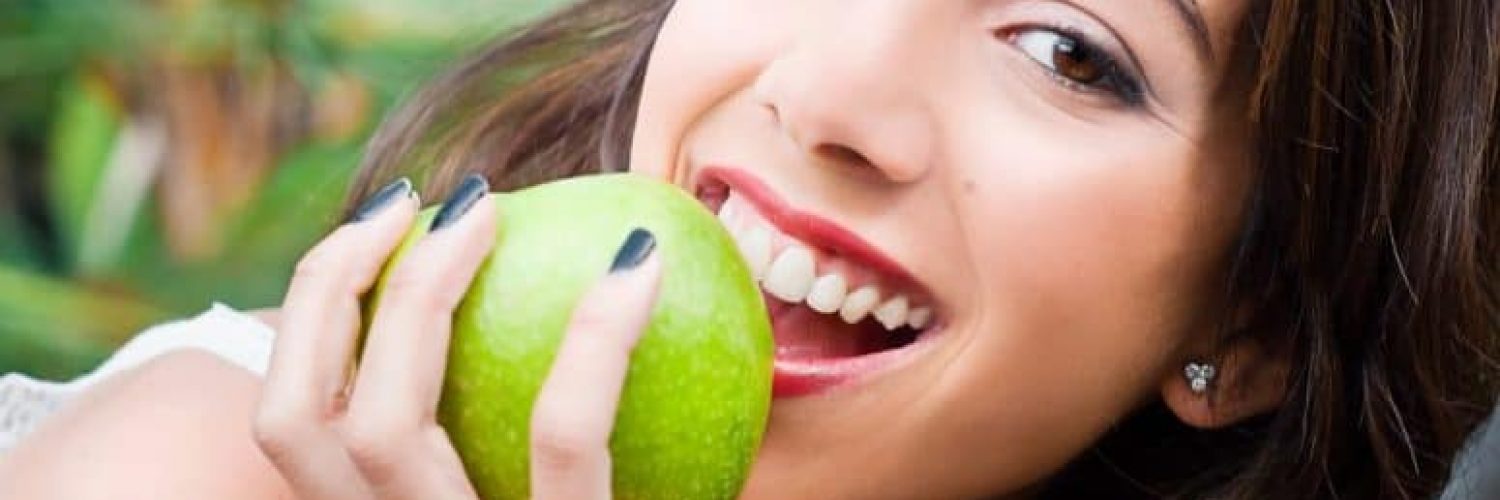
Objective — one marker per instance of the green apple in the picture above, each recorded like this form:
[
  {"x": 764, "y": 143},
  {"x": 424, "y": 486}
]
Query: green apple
[{"x": 697, "y": 395}]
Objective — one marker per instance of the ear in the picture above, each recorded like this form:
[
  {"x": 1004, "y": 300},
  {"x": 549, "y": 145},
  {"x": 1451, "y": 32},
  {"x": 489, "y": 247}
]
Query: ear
[{"x": 1249, "y": 381}]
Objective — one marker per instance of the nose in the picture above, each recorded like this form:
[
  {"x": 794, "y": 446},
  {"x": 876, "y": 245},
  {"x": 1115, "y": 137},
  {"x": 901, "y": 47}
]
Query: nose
[{"x": 849, "y": 91}]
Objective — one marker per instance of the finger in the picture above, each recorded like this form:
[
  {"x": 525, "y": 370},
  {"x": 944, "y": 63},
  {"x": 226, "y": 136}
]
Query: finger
[
  {"x": 401, "y": 371},
  {"x": 575, "y": 411},
  {"x": 320, "y": 319}
]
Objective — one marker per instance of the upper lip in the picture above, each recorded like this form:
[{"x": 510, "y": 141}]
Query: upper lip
[{"x": 811, "y": 229}]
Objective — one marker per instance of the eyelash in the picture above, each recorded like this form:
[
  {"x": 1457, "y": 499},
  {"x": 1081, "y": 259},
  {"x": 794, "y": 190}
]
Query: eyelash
[{"x": 1120, "y": 83}]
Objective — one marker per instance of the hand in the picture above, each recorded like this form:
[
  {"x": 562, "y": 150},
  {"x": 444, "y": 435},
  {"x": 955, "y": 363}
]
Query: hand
[{"x": 339, "y": 433}]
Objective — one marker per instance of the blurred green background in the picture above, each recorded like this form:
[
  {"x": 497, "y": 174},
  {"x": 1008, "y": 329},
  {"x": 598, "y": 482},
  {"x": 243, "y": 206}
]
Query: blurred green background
[{"x": 157, "y": 156}]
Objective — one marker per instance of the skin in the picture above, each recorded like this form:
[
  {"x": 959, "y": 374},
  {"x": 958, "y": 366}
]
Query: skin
[
  {"x": 1073, "y": 244},
  {"x": 997, "y": 188}
]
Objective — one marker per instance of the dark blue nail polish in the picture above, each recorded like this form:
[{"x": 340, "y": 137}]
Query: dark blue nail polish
[
  {"x": 463, "y": 198},
  {"x": 636, "y": 248},
  {"x": 382, "y": 198}
]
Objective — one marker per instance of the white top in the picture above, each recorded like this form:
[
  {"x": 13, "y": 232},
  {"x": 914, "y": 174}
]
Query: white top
[{"x": 237, "y": 337}]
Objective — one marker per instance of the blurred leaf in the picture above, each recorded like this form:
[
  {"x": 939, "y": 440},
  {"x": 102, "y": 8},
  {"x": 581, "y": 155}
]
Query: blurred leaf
[
  {"x": 396, "y": 44},
  {"x": 16, "y": 248},
  {"x": 121, "y": 193},
  {"x": 299, "y": 204},
  {"x": 42, "y": 355},
  {"x": 64, "y": 65},
  {"x": 88, "y": 121},
  {"x": 295, "y": 207},
  {"x": 419, "y": 22},
  {"x": 42, "y": 37},
  {"x": 72, "y": 324}
]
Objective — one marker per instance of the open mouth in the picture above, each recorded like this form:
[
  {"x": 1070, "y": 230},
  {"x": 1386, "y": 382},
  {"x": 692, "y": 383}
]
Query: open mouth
[{"x": 839, "y": 309}]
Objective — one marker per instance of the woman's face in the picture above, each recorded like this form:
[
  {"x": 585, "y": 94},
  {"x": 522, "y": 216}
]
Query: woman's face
[{"x": 1025, "y": 206}]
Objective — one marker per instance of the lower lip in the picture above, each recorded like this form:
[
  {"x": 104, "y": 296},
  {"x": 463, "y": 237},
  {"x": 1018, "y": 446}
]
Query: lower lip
[{"x": 806, "y": 377}]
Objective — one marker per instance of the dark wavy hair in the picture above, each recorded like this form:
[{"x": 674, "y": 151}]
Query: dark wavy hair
[{"x": 1368, "y": 256}]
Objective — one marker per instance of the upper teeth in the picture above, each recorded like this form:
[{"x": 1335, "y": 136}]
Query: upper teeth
[
  {"x": 791, "y": 274},
  {"x": 858, "y": 304},
  {"x": 827, "y": 293},
  {"x": 756, "y": 247},
  {"x": 919, "y": 317},
  {"x": 892, "y": 313}
]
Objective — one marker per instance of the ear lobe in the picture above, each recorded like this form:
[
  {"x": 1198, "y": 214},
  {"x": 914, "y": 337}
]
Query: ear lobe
[{"x": 1249, "y": 381}]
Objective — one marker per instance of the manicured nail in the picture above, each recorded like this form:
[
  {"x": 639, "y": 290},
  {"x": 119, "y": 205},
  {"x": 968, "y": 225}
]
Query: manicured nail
[
  {"x": 637, "y": 247},
  {"x": 382, "y": 198},
  {"x": 463, "y": 198}
]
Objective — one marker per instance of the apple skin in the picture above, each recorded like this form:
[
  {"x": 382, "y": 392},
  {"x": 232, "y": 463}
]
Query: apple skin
[{"x": 698, "y": 391}]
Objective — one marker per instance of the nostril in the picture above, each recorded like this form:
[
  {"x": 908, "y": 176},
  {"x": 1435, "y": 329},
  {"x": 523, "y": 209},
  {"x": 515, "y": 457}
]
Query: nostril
[{"x": 843, "y": 154}]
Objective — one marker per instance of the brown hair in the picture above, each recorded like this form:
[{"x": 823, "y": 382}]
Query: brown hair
[
  {"x": 555, "y": 100},
  {"x": 1367, "y": 257}
]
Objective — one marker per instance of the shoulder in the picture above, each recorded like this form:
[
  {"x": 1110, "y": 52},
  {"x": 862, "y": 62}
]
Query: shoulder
[{"x": 176, "y": 426}]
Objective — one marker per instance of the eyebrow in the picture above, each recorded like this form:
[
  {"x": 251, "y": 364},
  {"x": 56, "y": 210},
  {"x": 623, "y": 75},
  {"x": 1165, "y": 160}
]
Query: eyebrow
[{"x": 1191, "y": 16}]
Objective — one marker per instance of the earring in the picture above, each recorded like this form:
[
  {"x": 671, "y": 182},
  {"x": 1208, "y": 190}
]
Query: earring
[{"x": 1198, "y": 376}]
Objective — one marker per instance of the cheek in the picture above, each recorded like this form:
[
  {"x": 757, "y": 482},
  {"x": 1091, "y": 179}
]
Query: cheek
[
  {"x": 1109, "y": 238},
  {"x": 705, "y": 51},
  {"x": 1096, "y": 232},
  {"x": 1096, "y": 258}
]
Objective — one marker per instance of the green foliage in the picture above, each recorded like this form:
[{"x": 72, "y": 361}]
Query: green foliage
[
  {"x": 52, "y": 327},
  {"x": 87, "y": 124},
  {"x": 86, "y": 259}
]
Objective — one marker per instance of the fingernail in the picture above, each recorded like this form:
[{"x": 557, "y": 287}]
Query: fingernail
[
  {"x": 469, "y": 191},
  {"x": 636, "y": 248},
  {"x": 382, "y": 198}
]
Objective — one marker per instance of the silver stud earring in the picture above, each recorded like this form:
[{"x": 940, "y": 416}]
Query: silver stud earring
[{"x": 1199, "y": 375}]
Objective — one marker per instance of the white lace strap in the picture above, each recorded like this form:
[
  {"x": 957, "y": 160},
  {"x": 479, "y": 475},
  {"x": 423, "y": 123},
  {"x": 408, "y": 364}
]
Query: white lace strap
[{"x": 24, "y": 402}]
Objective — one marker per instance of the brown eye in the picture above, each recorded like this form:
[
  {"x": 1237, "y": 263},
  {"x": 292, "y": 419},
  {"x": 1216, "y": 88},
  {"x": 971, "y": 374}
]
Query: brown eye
[
  {"x": 1079, "y": 65},
  {"x": 1076, "y": 62},
  {"x": 1063, "y": 55}
]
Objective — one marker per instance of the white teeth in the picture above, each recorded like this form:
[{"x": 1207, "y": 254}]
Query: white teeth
[
  {"x": 755, "y": 245},
  {"x": 919, "y": 317},
  {"x": 791, "y": 276},
  {"x": 892, "y": 314},
  {"x": 858, "y": 304},
  {"x": 827, "y": 293}
]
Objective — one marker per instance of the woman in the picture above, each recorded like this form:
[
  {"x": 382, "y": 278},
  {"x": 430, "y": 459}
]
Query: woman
[{"x": 1224, "y": 248}]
